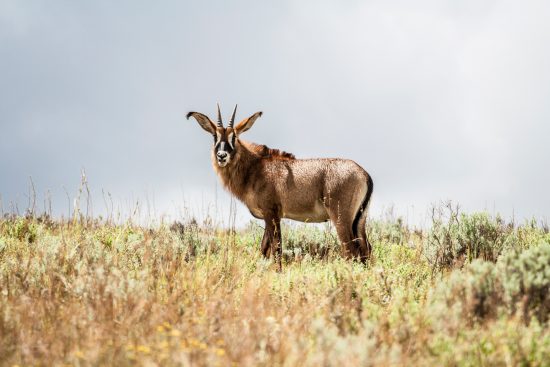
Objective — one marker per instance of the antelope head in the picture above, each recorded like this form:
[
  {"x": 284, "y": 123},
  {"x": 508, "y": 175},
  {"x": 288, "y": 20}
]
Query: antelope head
[{"x": 226, "y": 139}]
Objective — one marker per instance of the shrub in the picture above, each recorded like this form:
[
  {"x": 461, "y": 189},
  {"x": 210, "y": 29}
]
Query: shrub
[
  {"x": 526, "y": 282},
  {"x": 389, "y": 231},
  {"x": 457, "y": 238},
  {"x": 519, "y": 282},
  {"x": 21, "y": 229},
  {"x": 471, "y": 294}
]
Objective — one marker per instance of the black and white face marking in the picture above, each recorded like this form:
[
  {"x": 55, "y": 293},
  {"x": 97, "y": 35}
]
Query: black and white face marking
[{"x": 224, "y": 146}]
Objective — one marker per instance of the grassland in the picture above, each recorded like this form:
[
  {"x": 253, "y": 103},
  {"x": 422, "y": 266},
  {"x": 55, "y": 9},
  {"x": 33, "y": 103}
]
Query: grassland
[{"x": 472, "y": 290}]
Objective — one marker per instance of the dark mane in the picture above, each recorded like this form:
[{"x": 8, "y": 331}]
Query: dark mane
[{"x": 266, "y": 152}]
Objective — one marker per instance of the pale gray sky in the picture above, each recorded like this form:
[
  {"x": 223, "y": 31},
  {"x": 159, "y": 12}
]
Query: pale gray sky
[{"x": 436, "y": 99}]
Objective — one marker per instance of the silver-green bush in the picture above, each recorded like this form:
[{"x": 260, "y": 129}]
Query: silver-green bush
[
  {"x": 457, "y": 238},
  {"x": 526, "y": 282}
]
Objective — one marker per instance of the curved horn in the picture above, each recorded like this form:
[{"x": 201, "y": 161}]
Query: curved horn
[
  {"x": 220, "y": 124},
  {"x": 232, "y": 121}
]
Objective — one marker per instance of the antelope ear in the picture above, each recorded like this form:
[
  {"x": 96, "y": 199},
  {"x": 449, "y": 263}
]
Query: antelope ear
[
  {"x": 204, "y": 121},
  {"x": 247, "y": 123}
]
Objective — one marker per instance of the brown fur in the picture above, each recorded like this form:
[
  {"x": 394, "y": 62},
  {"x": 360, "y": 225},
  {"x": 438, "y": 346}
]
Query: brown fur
[
  {"x": 274, "y": 184},
  {"x": 250, "y": 158},
  {"x": 265, "y": 152}
]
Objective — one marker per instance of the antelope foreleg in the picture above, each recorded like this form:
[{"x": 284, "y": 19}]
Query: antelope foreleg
[
  {"x": 278, "y": 244},
  {"x": 271, "y": 241},
  {"x": 266, "y": 244}
]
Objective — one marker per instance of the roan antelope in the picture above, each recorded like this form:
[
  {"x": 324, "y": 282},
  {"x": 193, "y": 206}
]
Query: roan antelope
[{"x": 274, "y": 185}]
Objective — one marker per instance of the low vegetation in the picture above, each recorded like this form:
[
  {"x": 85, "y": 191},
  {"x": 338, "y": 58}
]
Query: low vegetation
[{"x": 471, "y": 290}]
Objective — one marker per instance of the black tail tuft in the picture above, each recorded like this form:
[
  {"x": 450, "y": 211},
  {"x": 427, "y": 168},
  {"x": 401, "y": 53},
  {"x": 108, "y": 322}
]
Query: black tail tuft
[{"x": 363, "y": 207}]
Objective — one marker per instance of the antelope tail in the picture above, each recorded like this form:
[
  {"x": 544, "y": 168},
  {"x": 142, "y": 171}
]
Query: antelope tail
[{"x": 363, "y": 208}]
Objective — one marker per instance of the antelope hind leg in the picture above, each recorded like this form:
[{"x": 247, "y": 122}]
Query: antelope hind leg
[
  {"x": 365, "y": 248},
  {"x": 350, "y": 248}
]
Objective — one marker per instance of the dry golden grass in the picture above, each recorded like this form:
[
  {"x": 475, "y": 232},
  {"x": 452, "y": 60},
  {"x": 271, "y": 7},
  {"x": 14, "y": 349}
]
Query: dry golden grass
[{"x": 123, "y": 295}]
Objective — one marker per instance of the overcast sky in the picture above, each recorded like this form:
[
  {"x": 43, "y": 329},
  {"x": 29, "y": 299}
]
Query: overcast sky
[{"x": 436, "y": 99}]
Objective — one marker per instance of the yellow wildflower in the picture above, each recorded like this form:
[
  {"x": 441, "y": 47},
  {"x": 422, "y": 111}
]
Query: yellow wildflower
[
  {"x": 143, "y": 349},
  {"x": 79, "y": 354},
  {"x": 175, "y": 332}
]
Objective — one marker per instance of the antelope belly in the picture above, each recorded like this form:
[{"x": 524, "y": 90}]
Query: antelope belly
[{"x": 315, "y": 214}]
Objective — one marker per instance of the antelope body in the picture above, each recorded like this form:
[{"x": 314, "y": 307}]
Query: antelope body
[{"x": 274, "y": 185}]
